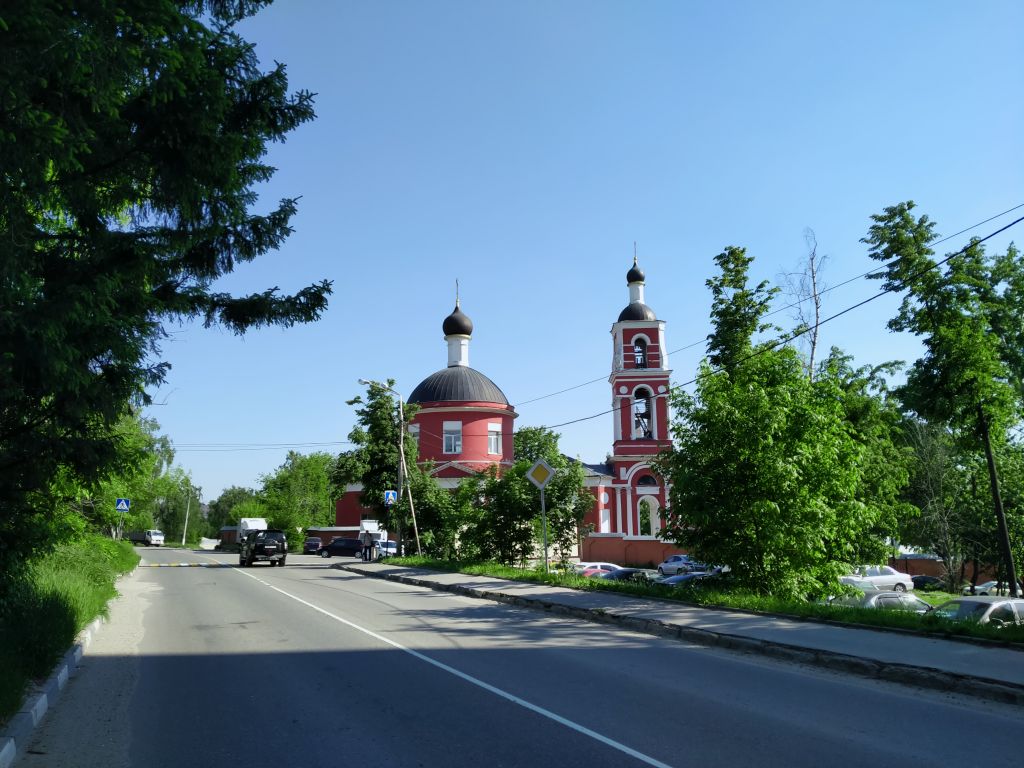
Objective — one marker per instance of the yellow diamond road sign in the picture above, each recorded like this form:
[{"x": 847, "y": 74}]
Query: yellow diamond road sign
[{"x": 540, "y": 473}]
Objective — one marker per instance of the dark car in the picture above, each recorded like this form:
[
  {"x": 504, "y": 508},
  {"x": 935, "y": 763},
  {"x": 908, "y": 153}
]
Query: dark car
[
  {"x": 342, "y": 546},
  {"x": 269, "y": 546},
  {"x": 312, "y": 545},
  {"x": 693, "y": 578},
  {"x": 926, "y": 583},
  {"x": 640, "y": 575}
]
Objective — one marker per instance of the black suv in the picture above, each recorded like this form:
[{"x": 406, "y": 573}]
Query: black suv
[
  {"x": 270, "y": 545},
  {"x": 342, "y": 546}
]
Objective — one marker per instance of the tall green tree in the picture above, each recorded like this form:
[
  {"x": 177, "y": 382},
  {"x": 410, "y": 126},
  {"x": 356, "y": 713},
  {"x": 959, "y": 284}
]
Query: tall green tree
[
  {"x": 133, "y": 140},
  {"x": 765, "y": 472},
  {"x": 222, "y": 509},
  {"x": 375, "y": 461},
  {"x": 507, "y": 527},
  {"x": 962, "y": 308},
  {"x": 297, "y": 495}
]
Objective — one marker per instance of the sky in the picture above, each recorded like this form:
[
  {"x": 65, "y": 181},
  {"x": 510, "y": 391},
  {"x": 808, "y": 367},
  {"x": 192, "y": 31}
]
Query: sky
[{"x": 522, "y": 148}]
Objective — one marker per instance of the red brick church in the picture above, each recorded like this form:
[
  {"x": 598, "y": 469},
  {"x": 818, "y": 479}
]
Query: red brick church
[{"x": 465, "y": 424}]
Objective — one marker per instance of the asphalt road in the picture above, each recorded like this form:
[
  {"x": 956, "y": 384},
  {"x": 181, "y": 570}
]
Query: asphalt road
[{"x": 311, "y": 666}]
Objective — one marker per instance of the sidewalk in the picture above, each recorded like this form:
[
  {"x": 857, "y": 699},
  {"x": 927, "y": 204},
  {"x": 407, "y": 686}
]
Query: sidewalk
[{"x": 978, "y": 669}]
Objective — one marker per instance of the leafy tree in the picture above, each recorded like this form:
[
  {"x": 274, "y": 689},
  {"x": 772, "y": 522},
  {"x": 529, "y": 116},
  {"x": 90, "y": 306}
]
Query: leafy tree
[
  {"x": 178, "y": 510},
  {"x": 508, "y": 527},
  {"x": 736, "y": 310},
  {"x": 875, "y": 422},
  {"x": 297, "y": 495},
  {"x": 375, "y": 460},
  {"x": 766, "y": 472},
  {"x": 970, "y": 376},
  {"x": 222, "y": 509},
  {"x": 132, "y": 143}
]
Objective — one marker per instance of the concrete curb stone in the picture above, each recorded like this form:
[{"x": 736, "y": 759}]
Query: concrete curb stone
[
  {"x": 18, "y": 731},
  {"x": 924, "y": 677}
]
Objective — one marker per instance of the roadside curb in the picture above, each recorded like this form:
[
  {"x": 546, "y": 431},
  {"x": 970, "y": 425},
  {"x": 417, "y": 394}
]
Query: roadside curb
[
  {"x": 924, "y": 677},
  {"x": 18, "y": 731}
]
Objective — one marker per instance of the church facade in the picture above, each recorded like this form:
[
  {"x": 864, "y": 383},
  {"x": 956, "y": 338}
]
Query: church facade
[{"x": 465, "y": 424}]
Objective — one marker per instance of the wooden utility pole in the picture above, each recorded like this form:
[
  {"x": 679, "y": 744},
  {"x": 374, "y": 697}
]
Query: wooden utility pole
[{"x": 993, "y": 478}]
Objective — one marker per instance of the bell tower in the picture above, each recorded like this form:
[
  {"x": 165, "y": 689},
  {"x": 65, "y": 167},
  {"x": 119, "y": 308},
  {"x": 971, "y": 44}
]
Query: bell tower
[{"x": 640, "y": 385}]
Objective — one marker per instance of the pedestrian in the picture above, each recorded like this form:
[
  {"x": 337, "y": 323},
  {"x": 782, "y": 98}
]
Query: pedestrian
[{"x": 367, "y": 546}]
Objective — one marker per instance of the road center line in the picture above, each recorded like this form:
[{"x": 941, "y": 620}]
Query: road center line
[{"x": 470, "y": 679}]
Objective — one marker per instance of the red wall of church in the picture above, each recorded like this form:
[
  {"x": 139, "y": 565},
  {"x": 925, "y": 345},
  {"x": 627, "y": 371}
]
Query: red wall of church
[{"x": 474, "y": 432}]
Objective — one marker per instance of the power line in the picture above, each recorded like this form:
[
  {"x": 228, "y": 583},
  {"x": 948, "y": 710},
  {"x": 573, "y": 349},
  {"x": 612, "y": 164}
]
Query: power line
[
  {"x": 788, "y": 306},
  {"x": 765, "y": 348}
]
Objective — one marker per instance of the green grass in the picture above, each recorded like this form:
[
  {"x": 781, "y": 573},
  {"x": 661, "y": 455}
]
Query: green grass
[
  {"x": 62, "y": 592},
  {"x": 742, "y": 600}
]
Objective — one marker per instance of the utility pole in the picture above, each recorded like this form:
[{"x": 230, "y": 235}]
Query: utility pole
[
  {"x": 188, "y": 504},
  {"x": 997, "y": 499},
  {"x": 401, "y": 467}
]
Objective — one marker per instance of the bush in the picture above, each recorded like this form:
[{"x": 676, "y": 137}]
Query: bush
[{"x": 58, "y": 596}]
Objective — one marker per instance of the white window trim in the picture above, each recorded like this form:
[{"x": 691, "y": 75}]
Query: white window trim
[
  {"x": 453, "y": 430},
  {"x": 494, "y": 430}
]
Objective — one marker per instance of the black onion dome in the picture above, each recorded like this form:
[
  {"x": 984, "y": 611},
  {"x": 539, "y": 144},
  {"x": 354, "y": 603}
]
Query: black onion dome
[
  {"x": 637, "y": 311},
  {"x": 457, "y": 382},
  {"x": 635, "y": 274},
  {"x": 457, "y": 323}
]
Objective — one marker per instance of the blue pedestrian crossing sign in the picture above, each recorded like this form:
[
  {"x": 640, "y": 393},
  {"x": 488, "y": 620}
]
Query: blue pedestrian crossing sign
[
  {"x": 390, "y": 498},
  {"x": 123, "y": 505}
]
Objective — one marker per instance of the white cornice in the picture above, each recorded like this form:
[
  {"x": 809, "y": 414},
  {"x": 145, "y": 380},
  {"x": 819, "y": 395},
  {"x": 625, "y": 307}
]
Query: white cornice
[{"x": 505, "y": 410}]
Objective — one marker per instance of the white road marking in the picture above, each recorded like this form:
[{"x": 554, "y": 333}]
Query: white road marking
[{"x": 475, "y": 681}]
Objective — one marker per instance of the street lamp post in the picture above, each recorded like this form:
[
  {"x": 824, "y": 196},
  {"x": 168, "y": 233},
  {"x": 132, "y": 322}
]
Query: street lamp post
[{"x": 401, "y": 465}]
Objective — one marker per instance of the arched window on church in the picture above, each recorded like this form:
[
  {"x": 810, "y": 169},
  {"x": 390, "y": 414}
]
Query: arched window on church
[
  {"x": 639, "y": 353},
  {"x": 647, "y": 480},
  {"x": 645, "y": 518},
  {"x": 642, "y": 406}
]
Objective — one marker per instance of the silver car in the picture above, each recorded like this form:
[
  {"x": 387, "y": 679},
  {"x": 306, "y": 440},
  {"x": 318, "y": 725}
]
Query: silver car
[
  {"x": 678, "y": 564},
  {"x": 998, "y": 611},
  {"x": 884, "y": 577},
  {"x": 885, "y": 601}
]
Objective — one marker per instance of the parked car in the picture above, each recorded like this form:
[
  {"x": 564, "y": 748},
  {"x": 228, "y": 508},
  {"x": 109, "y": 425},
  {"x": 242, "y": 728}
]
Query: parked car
[
  {"x": 692, "y": 578},
  {"x": 983, "y": 609},
  {"x": 387, "y": 548},
  {"x": 674, "y": 564},
  {"x": 269, "y": 546},
  {"x": 312, "y": 545},
  {"x": 992, "y": 588},
  {"x": 884, "y": 577},
  {"x": 341, "y": 546},
  {"x": 580, "y": 567},
  {"x": 641, "y": 575},
  {"x": 885, "y": 601},
  {"x": 858, "y": 583},
  {"x": 927, "y": 583}
]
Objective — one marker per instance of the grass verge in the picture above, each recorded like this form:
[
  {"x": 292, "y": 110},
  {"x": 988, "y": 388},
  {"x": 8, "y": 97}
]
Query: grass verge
[
  {"x": 727, "y": 597},
  {"x": 61, "y": 593}
]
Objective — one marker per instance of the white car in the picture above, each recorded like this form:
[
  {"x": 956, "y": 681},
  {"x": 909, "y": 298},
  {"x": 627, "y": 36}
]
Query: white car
[
  {"x": 883, "y": 577},
  {"x": 676, "y": 564},
  {"x": 581, "y": 567},
  {"x": 990, "y": 588}
]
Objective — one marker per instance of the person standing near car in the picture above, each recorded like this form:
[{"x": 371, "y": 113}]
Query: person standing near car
[{"x": 367, "y": 539}]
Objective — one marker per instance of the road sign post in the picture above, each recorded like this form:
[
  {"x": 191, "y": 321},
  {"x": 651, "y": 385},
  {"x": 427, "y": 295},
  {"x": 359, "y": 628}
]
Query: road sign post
[
  {"x": 540, "y": 475},
  {"x": 122, "y": 506}
]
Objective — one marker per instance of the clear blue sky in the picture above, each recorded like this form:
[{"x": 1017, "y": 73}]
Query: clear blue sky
[{"x": 522, "y": 147}]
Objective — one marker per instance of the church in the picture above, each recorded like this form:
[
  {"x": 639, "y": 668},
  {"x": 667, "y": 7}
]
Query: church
[{"x": 465, "y": 424}]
